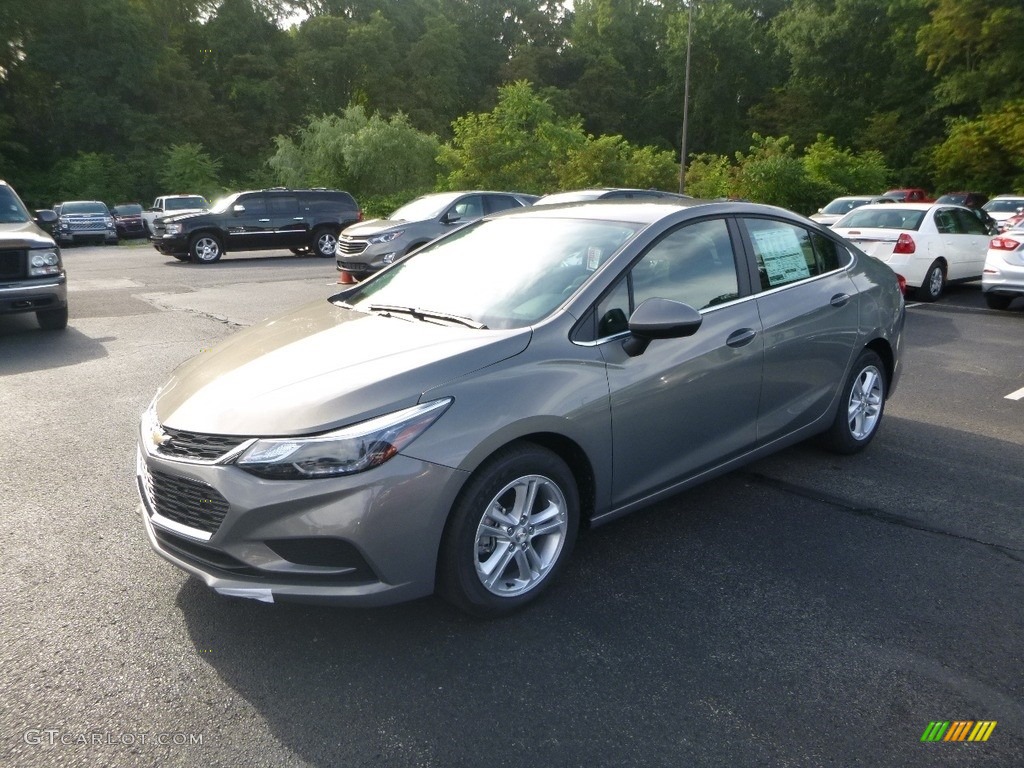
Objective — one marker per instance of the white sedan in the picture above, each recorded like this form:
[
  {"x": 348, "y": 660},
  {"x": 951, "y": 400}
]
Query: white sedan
[{"x": 929, "y": 244}]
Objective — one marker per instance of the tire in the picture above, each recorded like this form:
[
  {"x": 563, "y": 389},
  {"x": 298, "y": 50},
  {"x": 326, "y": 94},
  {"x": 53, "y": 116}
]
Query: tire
[
  {"x": 325, "y": 243},
  {"x": 934, "y": 283},
  {"x": 998, "y": 301},
  {"x": 494, "y": 558},
  {"x": 861, "y": 406},
  {"x": 300, "y": 251},
  {"x": 52, "y": 319},
  {"x": 179, "y": 257},
  {"x": 204, "y": 249}
]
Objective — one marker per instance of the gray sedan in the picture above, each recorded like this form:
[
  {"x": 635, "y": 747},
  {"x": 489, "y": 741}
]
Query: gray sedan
[{"x": 450, "y": 423}]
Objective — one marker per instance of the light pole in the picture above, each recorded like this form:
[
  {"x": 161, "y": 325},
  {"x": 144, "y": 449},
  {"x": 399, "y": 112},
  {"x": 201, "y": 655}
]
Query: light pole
[{"x": 686, "y": 98}]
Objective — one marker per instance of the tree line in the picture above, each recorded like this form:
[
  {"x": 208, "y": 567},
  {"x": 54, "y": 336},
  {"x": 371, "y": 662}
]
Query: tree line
[{"x": 791, "y": 101}]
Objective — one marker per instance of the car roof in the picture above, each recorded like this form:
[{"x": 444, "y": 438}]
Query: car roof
[{"x": 648, "y": 211}]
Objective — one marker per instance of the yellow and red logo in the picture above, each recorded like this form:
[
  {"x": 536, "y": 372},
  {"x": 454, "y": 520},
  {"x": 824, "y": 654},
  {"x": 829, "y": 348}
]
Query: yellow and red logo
[{"x": 958, "y": 730}]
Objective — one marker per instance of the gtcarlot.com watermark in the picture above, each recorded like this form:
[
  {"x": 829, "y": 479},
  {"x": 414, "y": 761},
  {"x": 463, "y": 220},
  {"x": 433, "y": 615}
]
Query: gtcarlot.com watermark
[{"x": 52, "y": 737}]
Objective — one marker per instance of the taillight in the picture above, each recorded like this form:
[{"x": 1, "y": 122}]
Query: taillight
[
  {"x": 905, "y": 244},
  {"x": 1003, "y": 244},
  {"x": 901, "y": 281}
]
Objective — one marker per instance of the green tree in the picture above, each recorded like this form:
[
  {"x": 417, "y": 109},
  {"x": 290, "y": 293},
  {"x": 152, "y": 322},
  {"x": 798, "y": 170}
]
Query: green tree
[
  {"x": 188, "y": 168},
  {"x": 611, "y": 161},
  {"x": 984, "y": 154},
  {"x": 842, "y": 172},
  {"x": 517, "y": 146},
  {"x": 771, "y": 172}
]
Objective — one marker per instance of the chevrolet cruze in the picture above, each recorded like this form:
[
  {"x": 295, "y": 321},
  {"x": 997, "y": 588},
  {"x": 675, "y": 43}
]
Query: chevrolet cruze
[{"x": 450, "y": 423}]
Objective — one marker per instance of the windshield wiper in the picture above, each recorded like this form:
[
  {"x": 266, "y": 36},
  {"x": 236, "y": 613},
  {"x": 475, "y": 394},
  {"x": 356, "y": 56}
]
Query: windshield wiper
[{"x": 425, "y": 314}]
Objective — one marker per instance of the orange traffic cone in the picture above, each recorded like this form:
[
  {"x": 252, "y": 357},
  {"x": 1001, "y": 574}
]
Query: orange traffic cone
[{"x": 345, "y": 278}]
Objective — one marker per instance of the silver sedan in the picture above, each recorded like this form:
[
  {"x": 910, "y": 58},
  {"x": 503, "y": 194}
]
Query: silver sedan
[{"x": 450, "y": 423}]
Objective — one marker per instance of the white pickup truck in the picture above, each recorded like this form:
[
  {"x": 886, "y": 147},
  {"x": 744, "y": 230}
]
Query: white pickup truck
[{"x": 171, "y": 205}]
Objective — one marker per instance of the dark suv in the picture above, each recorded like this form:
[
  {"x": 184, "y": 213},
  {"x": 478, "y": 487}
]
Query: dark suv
[
  {"x": 32, "y": 277},
  {"x": 302, "y": 220}
]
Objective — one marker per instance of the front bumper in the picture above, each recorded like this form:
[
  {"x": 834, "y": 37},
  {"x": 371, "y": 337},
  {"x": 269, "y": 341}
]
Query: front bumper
[
  {"x": 367, "y": 539},
  {"x": 49, "y": 292},
  {"x": 171, "y": 245},
  {"x": 76, "y": 236}
]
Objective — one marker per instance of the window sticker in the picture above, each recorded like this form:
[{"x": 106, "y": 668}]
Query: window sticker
[
  {"x": 593, "y": 258},
  {"x": 783, "y": 258}
]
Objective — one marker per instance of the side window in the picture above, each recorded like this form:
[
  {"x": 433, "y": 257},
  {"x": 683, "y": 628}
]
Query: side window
[
  {"x": 693, "y": 264},
  {"x": 497, "y": 203},
  {"x": 945, "y": 223},
  {"x": 284, "y": 205},
  {"x": 255, "y": 205},
  {"x": 468, "y": 208},
  {"x": 969, "y": 224},
  {"x": 826, "y": 252},
  {"x": 785, "y": 252}
]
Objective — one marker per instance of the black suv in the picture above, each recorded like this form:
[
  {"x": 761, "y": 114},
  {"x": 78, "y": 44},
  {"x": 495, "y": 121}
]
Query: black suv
[
  {"x": 32, "y": 277},
  {"x": 302, "y": 220}
]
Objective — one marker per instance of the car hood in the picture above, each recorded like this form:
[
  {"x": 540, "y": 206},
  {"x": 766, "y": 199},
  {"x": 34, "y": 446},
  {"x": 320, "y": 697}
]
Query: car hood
[
  {"x": 24, "y": 235},
  {"x": 184, "y": 214},
  {"x": 374, "y": 227},
  {"x": 322, "y": 367}
]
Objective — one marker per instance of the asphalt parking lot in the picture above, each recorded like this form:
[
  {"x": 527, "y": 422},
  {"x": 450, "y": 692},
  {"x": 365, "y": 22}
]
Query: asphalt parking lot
[{"x": 808, "y": 610}]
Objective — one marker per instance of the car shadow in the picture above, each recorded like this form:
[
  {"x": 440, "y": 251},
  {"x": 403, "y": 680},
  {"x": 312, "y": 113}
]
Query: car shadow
[
  {"x": 752, "y": 602},
  {"x": 25, "y": 347}
]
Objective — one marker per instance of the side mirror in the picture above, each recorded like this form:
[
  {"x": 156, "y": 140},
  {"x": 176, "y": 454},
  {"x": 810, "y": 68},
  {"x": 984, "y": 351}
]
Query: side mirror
[
  {"x": 452, "y": 217},
  {"x": 660, "y": 319},
  {"x": 46, "y": 218},
  {"x": 237, "y": 208}
]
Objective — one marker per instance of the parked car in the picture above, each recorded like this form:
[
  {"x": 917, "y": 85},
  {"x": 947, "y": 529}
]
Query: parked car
[
  {"x": 301, "y": 220},
  {"x": 1003, "y": 207},
  {"x": 128, "y": 220},
  {"x": 1002, "y": 280},
  {"x": 84, "y": 221},
  {"x": 972, "y": 200},
  {"x": 929, "y": 244},
  {"x": 909, "y": 195},
  {"x": 450, "y": 422},
  {"x": 32, "y": 276},
  {"x": 841, "y": 206},
  {"x": 610, "y": 193},
  {"x": 172, "y": 205},
  {"x": 372, "y": 245}
]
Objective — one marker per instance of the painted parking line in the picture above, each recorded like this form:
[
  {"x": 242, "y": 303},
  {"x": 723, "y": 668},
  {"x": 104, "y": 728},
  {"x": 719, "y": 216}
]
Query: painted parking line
[{"x": 1018, "y": 395}]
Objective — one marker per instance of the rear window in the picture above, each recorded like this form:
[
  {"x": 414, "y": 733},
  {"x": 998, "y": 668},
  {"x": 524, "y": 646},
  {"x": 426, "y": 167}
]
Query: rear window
[{"x": 885, "y": 218}]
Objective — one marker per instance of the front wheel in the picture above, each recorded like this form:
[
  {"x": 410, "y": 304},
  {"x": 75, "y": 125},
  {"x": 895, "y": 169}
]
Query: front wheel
[
  {"x": 510, "y": 532},
  {"x": 934, "y": 283},
  {"x": 204, "y": 249},
  {"x": 860, "y": 406},
  {"x": 52, "y": 319},
  {"x": 325, "y": 243}
]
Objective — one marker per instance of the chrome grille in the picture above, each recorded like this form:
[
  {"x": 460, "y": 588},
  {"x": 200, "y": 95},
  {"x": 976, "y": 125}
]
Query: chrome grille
[
  {"x": 188, "y": 502},
  {"x": 350, "y": 247},
  {"x": 197, "y": 446}
]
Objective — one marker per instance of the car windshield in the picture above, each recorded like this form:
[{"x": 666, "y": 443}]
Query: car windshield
[
  {"x": 224, "y": 203},
  {"x": 842, "y": 206},
  {"x": 11, "y": 209},
  {"x": 503, "y": 273},
  {"x": 882, "y": 218},
  {"x": 128, "y": 209},
  {"x": 1004, "y": 206},
  {"x": 82, "y": 207},
  {"x": 423, "y": 208},
  {"x": 183, "y": 203}
]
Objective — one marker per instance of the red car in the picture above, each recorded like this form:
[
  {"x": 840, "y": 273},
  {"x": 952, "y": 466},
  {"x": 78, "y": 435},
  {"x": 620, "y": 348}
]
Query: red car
[{"x": 909, "y": 195}]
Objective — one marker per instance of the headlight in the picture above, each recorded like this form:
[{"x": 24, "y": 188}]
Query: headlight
[
  {"x": 43, "y": 263},
  {"x": 344, "y": 452},
  {"x": 172, "y": 229},
  {"x": 387, "y": 237},
  {"x": 108, "y": 222}
]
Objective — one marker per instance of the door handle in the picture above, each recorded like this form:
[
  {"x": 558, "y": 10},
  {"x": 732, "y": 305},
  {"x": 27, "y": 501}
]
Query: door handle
[
  {"x": 299, "y": 218},
  {"x": 264, "y": 221},
  {"x": 839, "y": 300},
  {"x": 741, "y": 338}
]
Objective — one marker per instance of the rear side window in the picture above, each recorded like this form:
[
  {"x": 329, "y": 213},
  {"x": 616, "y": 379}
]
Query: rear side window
[
  {"x": 283, "y": 205},
  {"x": 787, "y": 253},
  {"x": 497, "y": 203}
]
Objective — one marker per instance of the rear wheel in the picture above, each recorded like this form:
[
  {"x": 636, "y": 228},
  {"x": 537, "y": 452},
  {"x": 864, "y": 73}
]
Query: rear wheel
[
  {"x": 998, "y": 301},
  {"x": 325, "y": 243},
  {"x": 860, "y": 407},
  {"x": 510, "y": 532},
  {"x": 934, "y": 283},
  {"x": 52, "y": 319},
  {"x": 204, "y": 249}
]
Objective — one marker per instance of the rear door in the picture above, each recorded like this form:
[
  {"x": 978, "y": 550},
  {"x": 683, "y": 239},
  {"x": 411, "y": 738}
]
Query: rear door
[{"x": 809, "y": 312}]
